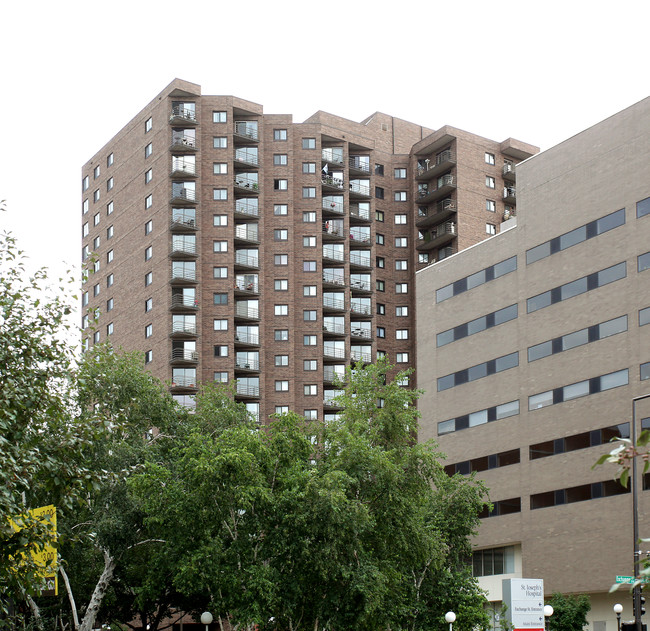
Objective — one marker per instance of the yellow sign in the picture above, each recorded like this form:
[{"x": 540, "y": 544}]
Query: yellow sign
[{"x": 44, "y": 556}]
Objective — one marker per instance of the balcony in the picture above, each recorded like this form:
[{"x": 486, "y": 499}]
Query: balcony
[
  {"x": 333, "y": 329},
  {"x": 359, "y": 333},
  {"x": 360, "y": 236},
  {"x": 358, "y": 190},
  {"x": 359, "y": 166},
  {"x": 361, "y": 356},
  {"x": 509, "y": 194},
  {"x": 333, "y": 353},
  {"x": 247, "y": 339},
  {"x": 359, "y": 214},
  {"x": 247, "y": 365},
  {"x": 364, "y": 310},
  {"x": 332, "y": 253},
  {"x": 330, "y": 403},
  {"x": 183, "y": 116},
  {"x": 360, "y": 286},
  {"x": 183, "y": 329},
  {"x": 245, "y": 131},
  {"x": 333, "y": 304},
  {"x": 333, "y": 155},
  {"x": 182, "y": 276},
  {"x": 333, "y": 279},
  {"x": 182, "y": 169},
  {"x": 246, "y": 261},
  {"x": 183, "y": 196},
  {"x": 246, "y": 289},
  {"x": 244, "y": 312},
  {"x": 245, "y": 209},
  {"x": 444, "y": 161},
  {"x": 183, "y": 143},
  {"x": 183, "y": 222},
  {"x": 508, "y": 172},
  {"x": 183, "y": 356},
  {"x": 358, "y": 261},
  {"x": 445, "y": 186},
  {"x": 246, "y": 158},
  {"x": 333, "y": 207},
  {"x": 333, "y": 231},
  {"x": 184, "y": 383},
  {"x": 247, "y": 233},
  {"x": 439, "y": 236},
  {"x": 331, "y": 183},
  {"x": 246, "y": 185},
  {"x": 184, "y": 303},
  {"x": 183, "y": 249},
  {"x": 331, "y": 375},
  {"x": 246, "y": 391},
  {"x": 436, "y": 214}
]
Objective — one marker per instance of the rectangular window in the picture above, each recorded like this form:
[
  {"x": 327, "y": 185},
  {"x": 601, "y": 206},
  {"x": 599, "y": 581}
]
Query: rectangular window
[
  {"x": 110, "y": 159},
  {"x": 490, "y": 205},
  {"x": 643, "y": 207},
  {"x": 489, "y": 181},
  {"x": 379, "y": 215},
  {"x": 220, "y": 325},
  {"x": 282, "y": 360},
  {"x": 219, "y": 272},
  {"x": 281, "y": 385},
  {"x": 401, "y": 264},
  {"x": 379, "y": 192},
  {"x": 109, "y": 280},
  {"x": 109, "y": 184},
  {"x": 279, "y": 134},
  {"x": 310, "y": 390},
  {"x": 148, "y": 305},
  {"x": 221, "y": 377},
  {"x": 148, "y": 201},
  {"x": 280, "y": 159},
  {"x": 220, "y": 299},
  {"x": 219, "y": 220},
  {"x": 281, "y": 259},
  {"x": 96, "y": 196},
  {"x": 400, "y": 196},
  {"x": 148, "y": 227},
  {"x": 309, "y": 242},
  {"x": 644, "y": 316},
  {"x": 280, "y": 184},
  {"x": 309, "y": 266},
  {"x": 281, "y": 335},
  {"x": 148, "y": 150},
  {"x": 219, "y": 168},
  {"x": 280, "y": 209},
  {"x": 309, "y": 217},
  {"x": 280, "y": 234},
  {"x": 221, "y": 351},
  {"x": 478, "y": 278},
  {"x": 309, "y": 315},
  {"x": 148, "y": 176},
  {"x": 489, "y": 158},
  {"x": 85, "y": 183},
  {"x": 400, "y": 219},
  {"x": 281, "y": 310},
  {"x": 96, "y": 172},
  {"x": 402, "y": 358},
  {"x": 109, "y": 208},
  {"x": 309, "y": 364},
  {"x": 309, "y": 340},
  {"x": 309, "y": 167},
  {"x": 401, "y": 242},
  {"x": 402, "y": 334},
  {"x": 381, "y": 262},
  {"x": 219, "y": 194},
  {"x": 643, "y": 262},
  {"x": 219, "y": 117},
  {"x": 281, "y": 284},
  {"x": 148, "y": 330},
  {"x": 308, "y": 192},
  {"x": 400, "y": 174},
  {"x": 478, "y": 371},
  {"x": 309, "y": 143},
  {"x": 109, "y": 256},
  {"x": 401, "y": 312},
  {"x": 220, "y": 142},
  {"x": 309, "y": 290},
  {"x": 381, "y": 332},
  {"x": 401, "y": 288},
  {"x": 380, "y": 285},
  {"x": 148, "y": 125},
  {"x": 148, "y": 253},
  {"x": 490, "y": 228}
]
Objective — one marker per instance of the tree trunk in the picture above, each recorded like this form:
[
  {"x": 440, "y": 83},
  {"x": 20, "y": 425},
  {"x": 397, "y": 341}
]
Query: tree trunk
[{"x": 88, "y": 621}]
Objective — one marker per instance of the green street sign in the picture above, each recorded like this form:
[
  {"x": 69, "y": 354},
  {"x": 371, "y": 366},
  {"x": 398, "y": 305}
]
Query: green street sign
[{"x": 625, "y": 579}]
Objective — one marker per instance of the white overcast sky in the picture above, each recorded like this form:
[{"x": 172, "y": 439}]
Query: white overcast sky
[{"x": 73, "y": 73}]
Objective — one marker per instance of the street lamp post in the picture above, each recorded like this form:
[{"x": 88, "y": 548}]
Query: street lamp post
[
  {"x": 206, "y": 619},
  {"x": 618, "y": 610},
  {"x": 548, "y": 612},
  {"x": 450, "y": 617}
]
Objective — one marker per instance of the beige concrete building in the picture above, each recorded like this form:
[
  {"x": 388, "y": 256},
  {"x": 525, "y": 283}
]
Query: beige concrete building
[
  {"x": 232, "y": 245},
  {"x": 530, "y": 348}
]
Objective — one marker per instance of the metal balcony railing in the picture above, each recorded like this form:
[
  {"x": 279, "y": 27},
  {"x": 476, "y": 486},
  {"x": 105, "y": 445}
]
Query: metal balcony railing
[
  {"x": 333, "y": 303},
  {"x": 336, "y": 254},
  {"x": 179, "y": 167},
  {"x": 243, "y": 128},
  {"x": 247, "y": 338},
  {"x": 247, "y": 233},
  {"x": 184, "y": 220},
  {"x": 329, "y": 374},
  {"x": 247, "y": 364},
  {"x": 359, "y": 165},
  {"x": 334, "y": 229},
  {"x": 185, "y": 114},
  {"x": 184, "y": 274},
  {"x": 360, "y": 285},
  {"x": 361, "y": 189},
  {"x": 359, "y": 259},
  {"x": 362, "y": 309},
  {"x": 181, "y": 354},
  {"x": 184, "y": 302},
  {"x": 361, "y": 356},
  {"x": 187, "y": 194},
  {"x": 334, "y": 328},
  {"x": 336, "y": 353},
  {"x": 333, "y": 279},
  {"x": 362, "y": 236},
  {"x": 247, "y": 183},
  {"x": 251, "y": 286},
  {"x": 184, "y": 327},
  {"x": 333, "y": 207},
  {"x": 245, "y": 207},
  {"x": 361, "y": 213},
  {"x": 246, "y": 259},
  {"x": 363, "y": 333},
  {"x": 243, "y": 311},
  {"x": 248, "y": 157},
  {"x": 509, "y": 191},
  {"x": 183, "y": 141},
  {"x": 183, "y": 382},
  {"x": 247, "y": 390},
  {"x": 183, "y": 247},
  {"x": 328, "y": 180},
  {"x": 331, "y": 155}
]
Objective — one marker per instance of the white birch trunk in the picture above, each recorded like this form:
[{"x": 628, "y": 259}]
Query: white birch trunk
[{"x": 88, "y": 621}]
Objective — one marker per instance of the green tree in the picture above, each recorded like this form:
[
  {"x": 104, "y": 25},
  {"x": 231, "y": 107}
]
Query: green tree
[
  {"x": 300, "y": 526},
  {"x": 569, "y": 612}
]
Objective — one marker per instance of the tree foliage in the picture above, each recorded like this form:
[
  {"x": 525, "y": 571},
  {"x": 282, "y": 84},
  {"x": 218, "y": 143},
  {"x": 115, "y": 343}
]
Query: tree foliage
[{"x": 569, "y": 612}]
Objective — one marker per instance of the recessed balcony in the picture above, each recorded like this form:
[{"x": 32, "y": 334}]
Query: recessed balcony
[
  {"x": 247, "y": 339},
  {"x": 245, "y": 131},
  {"x": 359, "y": 165},
  {"x": 436, "y": 214},
  {"x": 183, "y": 142},
  {"x": 333, "y": 279},
  {"x": 183, "y": 196},
  {"x": 360, "y": 333},
  {"x": 246, "y": 158},
  {"x": 333, "y": 156},
  {"x": 182, "y": 356},
  {"x": 246, "y": 185},
  {"x": 183, "y": 169},
  {"x": 330, "y": 353},
  {"x": 331, "y": 183},
  {"x": 333, "y": 231},
  {"x": 332, "y": 207},
  {"x": 184, "y": 303},
  {"x": 183, "y": 116},
  {"x": 244, "y": 312},
  {"x": 183, "y": 249},
  {"x": 183, "y": 329},
  {"x": 333, "y": 329},
  {"x": 247, "y": 234},
  {"x": 246, "y": 261},
  {"x": 181, "y": 276},
  {"x": 250, "y": 288},
  {"x": 508, "y": 172},
  {"x": 445, "y": 186},
  {"x": 428, "y": 169},
  {"x": 438, "y": 237},
  {"x": 330, "y": 403},
  {"x": 247, "y": 365},
  {"x": 245, "y": 209},
  {"x": 359, "y": 191},
  {"x": 183, "y": 221},
  {"x": 360, "y": 286},
  {"x": 359, "y": 215},
  {"x": 246, "y": 391},
  {"x": 509, "y": 195},
  {"x": 332, "y": 376},
  {"x": 360, "y": 237},
  {"x": 358, "y": 261},
  {"x": 331, "y": 305},
  {"x": 361, "y": 356},
  {"x": 333, "y": 253},
  {"x": 184, "y": 383}
]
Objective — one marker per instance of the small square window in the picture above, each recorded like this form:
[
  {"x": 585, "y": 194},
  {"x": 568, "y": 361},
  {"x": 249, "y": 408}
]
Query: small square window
[
  {"x": 381, "y": 285},
  {"x": 309, "y": 143},
  {"x": 280, "y": 159},
  {"x": 309, "y": 242},
  {"x": 219, "y": 142},
  {"x": 490, "y": 228},
  {"x": 309, "y": 290},
  {"x": 281, "y": 335},
  {"x": 400, "y": 174},
  {"x": 148, "y": 125},
  {"x": 219, "y": 168},
  {"x": 281, "y": 284},
  {"x": 219, "y": 194},
  {"x": 423, "y": 257},
  {"x": 309, "y": 266},
  {"x": 381, "y": 331},
  {"x": 309, "y": 340},
  {"x": 280, "y": 209},
  {"x": 308, "y": 192},
  {"x": 489, "y": 181},
  {"x": 281, "y": 259},
  {"x": 148, "y": 150},
  {"x": 219, "y": 272},
  {"x": 401, "y": 312},
  {"x": 400, "y": 219},
  {"x": 401, "y": 264},
  {"x": 309, "y": 364},
  {"x": 400, "y": 196},
  {"x": 402, "y": 334},
  {"x": 310, "y": 390},
  {"x": 309, "y": 217},
  {"x": 401, "y": 288},
  {"x": 219, "y": 220},
  {"x": 220, "y": 298},
  {"x": 309, "y": 167},
  {"x": 221, "y": 351},
  {"x": 309, "y": 315},
  {"x": 381, "y": 262},
  {"x": 280, "y": 234},
  {"x": 401, "y": 242},
  {"x": 379, "y": 169},
  {"x": 280, "y": 185},
  {"x": 281, "y": 310},
  {"x": 279, "y": 134},
  {"x": 282, "y": 360},
  {"x": 379, "y": 239},
  {"x": 221, "y": 377},
  {"x": 489, "y": 158},
  {"x": 220, "y": 246},
  {"x": 402, "y": 358},
  {"x": 220, "y": 324},
  {"x": 379, "y": 192},
  {"x": 219, "y": 117}
]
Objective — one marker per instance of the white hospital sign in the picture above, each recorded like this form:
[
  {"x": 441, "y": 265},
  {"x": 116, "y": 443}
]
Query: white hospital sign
[{"x": 524, "y": 598}]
